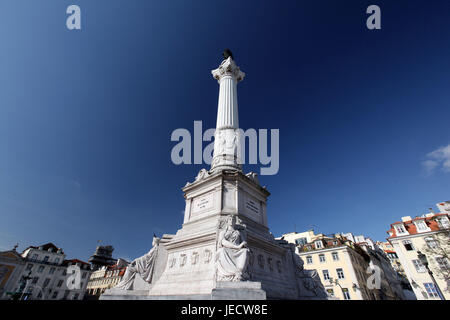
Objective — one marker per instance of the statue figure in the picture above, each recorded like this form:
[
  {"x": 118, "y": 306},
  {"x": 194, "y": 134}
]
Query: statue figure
[
  {"x": 232, "y": 251},
  {"x": 143, "y": 266},
  {"x": 3, "y": 272},
  {"x": 202, "y": 174},
  {"x": 308, "y": 280},
  {"x": 227, "y": 53}
]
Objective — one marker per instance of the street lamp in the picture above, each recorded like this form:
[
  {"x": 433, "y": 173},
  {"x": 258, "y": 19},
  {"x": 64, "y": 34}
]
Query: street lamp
[
  {"x": 355, "y": 287},
  {"x": 22, "y": 287},
  {"x": 423, "y": 259}
]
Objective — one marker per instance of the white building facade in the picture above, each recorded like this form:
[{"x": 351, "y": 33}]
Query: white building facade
[{"x": 47, "y": 275}]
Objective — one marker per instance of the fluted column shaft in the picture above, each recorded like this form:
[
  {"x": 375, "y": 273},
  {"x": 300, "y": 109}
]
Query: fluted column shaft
[
  {"x": 227, "y": 113},
  {"x": 226, "y": 141}
]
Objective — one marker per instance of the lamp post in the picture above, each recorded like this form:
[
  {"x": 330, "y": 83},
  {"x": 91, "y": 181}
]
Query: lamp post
[
  {"x": 23, "y": 284},
  {"x": 336, "y": 282},
  {"x": 423, "y": 259}
]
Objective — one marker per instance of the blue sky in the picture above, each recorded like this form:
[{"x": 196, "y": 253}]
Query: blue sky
[{"x": 86, "y": 116}]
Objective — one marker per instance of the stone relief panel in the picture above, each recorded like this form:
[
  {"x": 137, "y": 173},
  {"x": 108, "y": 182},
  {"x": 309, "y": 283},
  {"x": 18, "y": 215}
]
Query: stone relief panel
[
  {"x": 194, "y": 257},
  {"x": 261, "y": 261},
  {"x": 172, "y": 262},
  {"x": 226, "y": 142},
  {"x": 207, "y": 255},
  {"x": 251, "y": 258},
  {"x": 183, "y": 259},
  {"x": 229, "y": 197},
  {"x": 279, "y": 266},
  {"x": 269, "y": 263}
]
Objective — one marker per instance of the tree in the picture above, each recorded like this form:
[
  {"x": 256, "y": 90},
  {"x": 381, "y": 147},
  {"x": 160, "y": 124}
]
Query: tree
[{"x": 437, "y": 250}]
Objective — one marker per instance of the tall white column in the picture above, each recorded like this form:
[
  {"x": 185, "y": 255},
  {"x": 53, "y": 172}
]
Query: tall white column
[{"x": 226, "y": 142}]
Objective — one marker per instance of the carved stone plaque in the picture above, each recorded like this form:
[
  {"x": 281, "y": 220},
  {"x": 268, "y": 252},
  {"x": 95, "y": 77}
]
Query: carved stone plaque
[{"x": 202, "y": 203}]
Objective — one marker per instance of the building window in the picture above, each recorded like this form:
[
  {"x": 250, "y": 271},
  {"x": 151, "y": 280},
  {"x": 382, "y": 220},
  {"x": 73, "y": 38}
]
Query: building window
[
  {"x": 301, "y": 241},
  {"x": 321, "y": 257},
  {"x": 64, "y": 273},
  {"x": 39, "y": 294},
  {"x": 443, "y": 263},
  {"x": 400, "y": 228},
  {"x": 56, "y": 260},
  {"x": 41, "y": 268},
  {"x": 443, "y": 222},
  {"x": 35, "y": 280},
  {"x": 75, "y": 296},
  {"x": 60, "y": 282},
  {"x": 326, "y": 275},
  {"x": 55, "y": 294},
  {"x": 46, "y": 259},
  {"x": 392, "y": 255},
  {"x": 330, "y": 292},
  {"x": 408, "y": 245},
  {"x": 335, "y": 256},
  {"x": 346, "y": 293},
  {"x": 46, "y": 281},
  {"x": 340, "y": 273},
  {"x": 84, "y": 275},
  {"x": 421, "y": 225},
  {"x": 29, "y": 267},
  {"x": 309, "y": 260},
  {"x": 51, "y": 271},
  {"x": 318, "y": 244},
  {"x": 419, "y": 266},
  {"x": 34, "y": 257},
  {"x": 431, "y": 243},
  {"x": 431, "y": 290}
]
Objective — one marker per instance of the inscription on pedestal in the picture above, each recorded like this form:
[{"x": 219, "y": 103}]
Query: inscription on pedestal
[
  {"x": 202, "y": 203},
  {"x": 252, "y": 206}
]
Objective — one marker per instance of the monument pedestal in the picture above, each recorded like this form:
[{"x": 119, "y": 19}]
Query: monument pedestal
[{"x": 242, "y": 290}]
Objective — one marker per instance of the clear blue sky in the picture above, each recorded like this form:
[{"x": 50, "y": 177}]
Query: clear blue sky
[{"x": 86, "y": 116}]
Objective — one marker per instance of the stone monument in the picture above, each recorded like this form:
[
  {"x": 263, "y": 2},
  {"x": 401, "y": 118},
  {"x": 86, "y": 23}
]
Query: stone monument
[{"x": 224, "y": 249}]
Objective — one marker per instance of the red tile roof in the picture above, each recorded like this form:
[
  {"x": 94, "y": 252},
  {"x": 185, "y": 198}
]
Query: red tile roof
[
  {"x": 75, "y": 261},
  {"x": 411, "y": 227}
]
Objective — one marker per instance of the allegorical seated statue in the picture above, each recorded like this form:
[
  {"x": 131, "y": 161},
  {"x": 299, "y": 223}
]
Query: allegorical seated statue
[
  {"x": 143, "y": 266},
  {"x": 308, "y": 281},
  {"x": 232, "y": 251}
]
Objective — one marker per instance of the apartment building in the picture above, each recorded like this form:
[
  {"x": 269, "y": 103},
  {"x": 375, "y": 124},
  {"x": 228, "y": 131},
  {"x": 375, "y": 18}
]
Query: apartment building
[
  {"x": 105, "y": 278},
  {"x": 345, "y": 265},
  {"x": 42, "y": 272},
  {"x": 422, "y": 245}
]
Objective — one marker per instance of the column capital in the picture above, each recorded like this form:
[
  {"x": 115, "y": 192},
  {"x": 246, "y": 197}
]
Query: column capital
[{"x": 228, "y": 68}]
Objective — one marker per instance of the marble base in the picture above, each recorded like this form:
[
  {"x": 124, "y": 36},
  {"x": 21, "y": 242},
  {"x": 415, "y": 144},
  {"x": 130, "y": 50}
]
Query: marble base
[
  {"x": 186, "y": 266},
  {"x": 244, "y": 290}
]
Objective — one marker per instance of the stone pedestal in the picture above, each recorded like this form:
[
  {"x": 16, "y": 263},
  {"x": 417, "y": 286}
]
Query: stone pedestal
[{"x": 244, "y": 290}]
